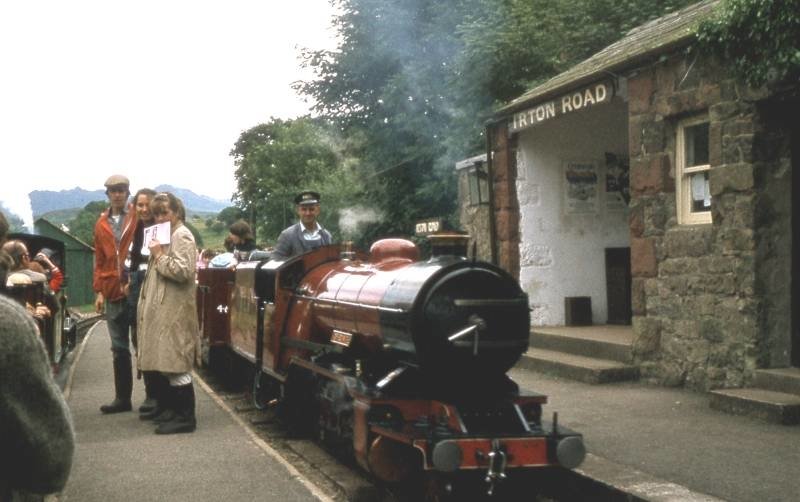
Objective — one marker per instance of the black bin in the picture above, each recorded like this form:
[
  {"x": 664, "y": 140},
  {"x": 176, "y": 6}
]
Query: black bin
[{"x": 578, "y": 311}]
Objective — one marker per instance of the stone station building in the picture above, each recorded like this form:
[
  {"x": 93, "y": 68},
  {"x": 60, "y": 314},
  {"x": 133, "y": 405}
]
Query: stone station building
[{"x": 652, "y": 184}]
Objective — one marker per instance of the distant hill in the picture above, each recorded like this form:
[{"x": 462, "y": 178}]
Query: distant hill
[
  {"x": 49, "y": 202},
  {"x": 60, "y": 216}
]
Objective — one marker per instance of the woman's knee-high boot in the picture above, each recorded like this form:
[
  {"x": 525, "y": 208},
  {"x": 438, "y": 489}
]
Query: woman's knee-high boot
[
  {"x": 163, "y": 395},
  {"x": 149, "y": 402},
  {"x": 184, "y": 419}
]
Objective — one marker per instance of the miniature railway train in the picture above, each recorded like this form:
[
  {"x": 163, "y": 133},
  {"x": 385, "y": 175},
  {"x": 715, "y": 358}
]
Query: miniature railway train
[{"x": 401, "y": 361}]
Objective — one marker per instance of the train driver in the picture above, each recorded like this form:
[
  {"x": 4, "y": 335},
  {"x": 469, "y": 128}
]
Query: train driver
[{"x": 305, "y": 235}]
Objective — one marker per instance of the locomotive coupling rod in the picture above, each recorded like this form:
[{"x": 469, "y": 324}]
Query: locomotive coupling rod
[{"x": 490, "y": 302}]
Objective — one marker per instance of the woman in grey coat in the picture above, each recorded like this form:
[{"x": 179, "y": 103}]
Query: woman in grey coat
[
  {"x": 169, "y": 337},
  {"x": 36, "y": 437}
]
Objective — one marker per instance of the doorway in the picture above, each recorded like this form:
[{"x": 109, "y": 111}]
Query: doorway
[{"x": 618, "y": 285}]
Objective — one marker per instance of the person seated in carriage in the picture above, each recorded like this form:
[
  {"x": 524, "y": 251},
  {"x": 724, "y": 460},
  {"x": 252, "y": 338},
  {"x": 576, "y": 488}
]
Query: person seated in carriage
[
  {"x": 44, "y": 262},
  {"x": 18, "y": 252},
  {"x": 241, "y": 237}
]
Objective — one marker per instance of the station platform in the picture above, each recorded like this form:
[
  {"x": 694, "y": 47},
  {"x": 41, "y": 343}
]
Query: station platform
[
  {"x": 119, "y": 458},
  {"x": 665, "y": 444},
  {"x": 647, "y": 442}
]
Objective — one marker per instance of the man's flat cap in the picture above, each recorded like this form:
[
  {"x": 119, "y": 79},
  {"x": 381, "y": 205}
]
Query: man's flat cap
[
  {"x": 117, "y": 179},
  {"x": 307, "y": 197}
]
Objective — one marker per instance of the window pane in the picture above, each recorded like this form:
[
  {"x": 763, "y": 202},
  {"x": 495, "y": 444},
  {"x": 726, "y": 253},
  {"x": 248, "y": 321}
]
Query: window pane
[
  {"x": 483, "y": 187},
  {"x": 701, "y": 195},
  {"x": 474, "y": 189},
  {"x": 696, "y": 138}
]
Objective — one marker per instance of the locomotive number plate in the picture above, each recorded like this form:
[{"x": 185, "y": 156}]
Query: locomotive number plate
[{"x": 341, "y": 338}]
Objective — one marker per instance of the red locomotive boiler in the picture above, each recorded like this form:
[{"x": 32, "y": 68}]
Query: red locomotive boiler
[{"x": 404, "y": 361}]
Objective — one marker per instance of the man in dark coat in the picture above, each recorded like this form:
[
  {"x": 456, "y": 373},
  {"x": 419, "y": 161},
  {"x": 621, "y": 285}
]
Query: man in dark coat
[{"x": 305, "y": 235}]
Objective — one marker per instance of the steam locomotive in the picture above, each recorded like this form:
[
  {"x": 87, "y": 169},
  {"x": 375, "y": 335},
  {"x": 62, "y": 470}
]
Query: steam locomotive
[{"x": 401, "y": 361}]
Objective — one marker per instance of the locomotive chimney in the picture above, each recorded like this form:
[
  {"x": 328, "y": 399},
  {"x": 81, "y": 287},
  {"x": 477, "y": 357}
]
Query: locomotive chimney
[
  {"x": 347, "y": 252},
  {"x": 449, "y": 243}
]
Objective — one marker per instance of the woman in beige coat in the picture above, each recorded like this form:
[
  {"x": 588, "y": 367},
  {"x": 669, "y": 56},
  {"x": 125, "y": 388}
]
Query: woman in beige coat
[{"x": 167, "y": 317}]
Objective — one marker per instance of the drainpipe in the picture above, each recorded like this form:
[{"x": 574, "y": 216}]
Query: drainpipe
[{"x": 490, "y": 175}]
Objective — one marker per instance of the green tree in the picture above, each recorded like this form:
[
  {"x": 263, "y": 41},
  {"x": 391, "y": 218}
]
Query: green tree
[
  {"x": 759, "y": 38},
  {"x": 229, "y": 215},
  {"x": 277, "y": 160},
  {"x": 82, "y": 226},
  {"x": 198, "y": 239},
  {"x": 15, "y": 223},
  {"x": 385, "y": 87},
  {"x": 218, "y": 226}
]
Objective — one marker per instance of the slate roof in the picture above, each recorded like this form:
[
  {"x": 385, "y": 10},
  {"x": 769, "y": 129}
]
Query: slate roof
[{"x": 641, "y": 43}]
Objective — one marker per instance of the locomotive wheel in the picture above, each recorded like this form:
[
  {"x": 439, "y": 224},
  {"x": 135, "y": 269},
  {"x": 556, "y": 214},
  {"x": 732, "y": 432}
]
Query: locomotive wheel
[
  {"x": 265, "y": 390},
  {"x": 298, "y": 407},
  {"x": 437, "y": 488}
]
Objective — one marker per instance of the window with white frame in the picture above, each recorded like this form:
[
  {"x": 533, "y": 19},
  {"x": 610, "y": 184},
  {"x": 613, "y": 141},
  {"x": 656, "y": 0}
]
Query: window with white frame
[{"x": 691, "y": 172}]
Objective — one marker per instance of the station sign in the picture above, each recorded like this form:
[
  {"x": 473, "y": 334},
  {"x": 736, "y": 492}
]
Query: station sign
[
  {"x": 427, "y": 227},
  {"x": 580, "y": 99}
]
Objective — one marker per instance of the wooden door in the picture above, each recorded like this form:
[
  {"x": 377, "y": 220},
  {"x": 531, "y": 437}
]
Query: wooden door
[{"x": 618, "y": 285}]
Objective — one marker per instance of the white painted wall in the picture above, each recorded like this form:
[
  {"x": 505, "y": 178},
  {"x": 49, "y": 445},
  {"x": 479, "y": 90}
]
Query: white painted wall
[{"x": 563, "y": 255}]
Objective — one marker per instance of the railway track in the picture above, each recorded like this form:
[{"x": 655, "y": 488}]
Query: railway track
[
  {"x": 338, "y": 478},
  {"x": 342, "y": 480}
]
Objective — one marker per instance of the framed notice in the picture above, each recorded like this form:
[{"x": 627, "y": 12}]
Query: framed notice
[{"x": 581, "y": 187}]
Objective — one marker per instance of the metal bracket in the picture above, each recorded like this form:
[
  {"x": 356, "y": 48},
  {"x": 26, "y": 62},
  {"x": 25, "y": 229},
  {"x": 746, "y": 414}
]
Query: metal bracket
[{"x": 497, "y": 466}]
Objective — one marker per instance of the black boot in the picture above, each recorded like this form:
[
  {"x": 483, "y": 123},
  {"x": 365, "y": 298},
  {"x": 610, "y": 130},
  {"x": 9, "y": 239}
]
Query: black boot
[
  {"x": 184, "y": 420},
  {"x": 162, "y": 393},
  {"x": 149, "y": 402},
  {"x": 123, "y": 385},
  {"x": 169, "y": 407}
]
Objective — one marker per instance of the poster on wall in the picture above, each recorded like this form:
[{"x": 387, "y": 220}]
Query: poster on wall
[
  {"x": 617, "y": 183},
  {"x": 580, "y": 180}
]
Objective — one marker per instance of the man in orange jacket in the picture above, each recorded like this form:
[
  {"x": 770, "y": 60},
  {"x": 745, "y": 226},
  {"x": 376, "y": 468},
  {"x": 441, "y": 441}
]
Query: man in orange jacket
[{"x": 113, "y": 234}]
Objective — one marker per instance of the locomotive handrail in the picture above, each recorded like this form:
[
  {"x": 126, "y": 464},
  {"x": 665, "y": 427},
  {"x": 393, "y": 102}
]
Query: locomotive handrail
[
  {"x": 307, "y": 345},
  {"x": 462, "y": 333},
  {"x": 492, "y": 343},
  {"x": 351, "y": 304},
  {"x": 489, "y": 302}
]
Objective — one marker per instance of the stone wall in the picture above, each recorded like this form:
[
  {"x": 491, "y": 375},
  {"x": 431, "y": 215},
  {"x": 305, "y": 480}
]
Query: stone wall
[
  {"x": 698, "y": 306},
  {"x": 773, "y": 226},
  {"x": 474, "y": 219}
]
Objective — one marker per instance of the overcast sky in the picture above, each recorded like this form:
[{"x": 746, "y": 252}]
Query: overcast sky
[{"x": 156, "y": 90}]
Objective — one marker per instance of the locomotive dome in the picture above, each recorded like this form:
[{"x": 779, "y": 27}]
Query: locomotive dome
[{"x": 393, "y": 249}]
